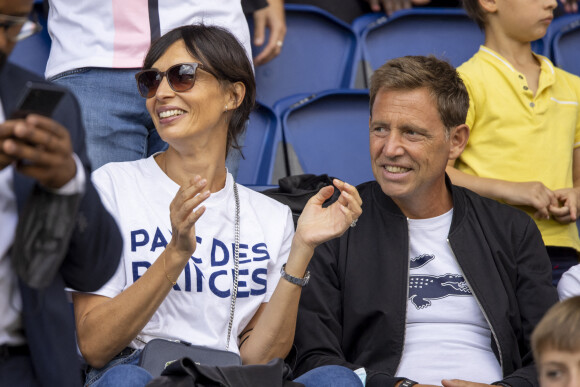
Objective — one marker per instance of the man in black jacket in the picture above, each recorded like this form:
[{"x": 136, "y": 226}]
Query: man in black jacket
[
  {"x": 45, "y": 188},
  {"x": 435, "y": 284}
]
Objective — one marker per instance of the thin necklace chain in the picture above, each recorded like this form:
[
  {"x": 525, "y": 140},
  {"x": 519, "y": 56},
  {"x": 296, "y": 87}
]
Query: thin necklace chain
[
  {"x": 236, "y": 255},
  {"x": 236, "y": 263}
]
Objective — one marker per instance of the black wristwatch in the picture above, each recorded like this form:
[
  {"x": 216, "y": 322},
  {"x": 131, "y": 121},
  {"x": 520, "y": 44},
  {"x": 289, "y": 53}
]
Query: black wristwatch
[
  {"x": 407, "y": 383},
  {"x": 294, "y": 280}
]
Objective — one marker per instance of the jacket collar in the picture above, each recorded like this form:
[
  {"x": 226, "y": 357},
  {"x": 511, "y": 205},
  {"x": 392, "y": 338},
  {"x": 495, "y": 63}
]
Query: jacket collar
[{"x": 457, "y": 195}]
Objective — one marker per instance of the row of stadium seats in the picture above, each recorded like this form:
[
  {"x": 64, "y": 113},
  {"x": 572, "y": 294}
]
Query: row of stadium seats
[
  {"x": 313, "y": 116},
  {"x": 313, "y": 111},
  {"x": 321, "y": 52},
  {"x": 323, "y": 133}
]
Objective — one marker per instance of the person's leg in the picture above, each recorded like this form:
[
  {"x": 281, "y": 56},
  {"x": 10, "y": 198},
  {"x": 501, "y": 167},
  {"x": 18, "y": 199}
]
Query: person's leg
[
  {"x": 17, "y": 371},
  {"x": 330, "y": 376},
  {"x": 121, "y": 371},
  {"x": 562, "y": 258},
  {"x": 116, "y": 121}
]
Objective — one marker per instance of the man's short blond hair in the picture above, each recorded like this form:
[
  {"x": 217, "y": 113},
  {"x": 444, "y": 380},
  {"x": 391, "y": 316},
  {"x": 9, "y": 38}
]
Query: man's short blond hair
[{"x": 438, "y": 76}]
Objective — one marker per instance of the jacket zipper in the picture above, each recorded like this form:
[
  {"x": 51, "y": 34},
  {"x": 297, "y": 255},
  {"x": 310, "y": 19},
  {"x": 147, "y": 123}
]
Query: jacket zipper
[{"x": 480, "y": 308}]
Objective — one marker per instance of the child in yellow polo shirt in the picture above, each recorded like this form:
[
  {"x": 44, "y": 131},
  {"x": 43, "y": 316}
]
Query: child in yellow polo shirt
[{"x": 524, "y": 117}]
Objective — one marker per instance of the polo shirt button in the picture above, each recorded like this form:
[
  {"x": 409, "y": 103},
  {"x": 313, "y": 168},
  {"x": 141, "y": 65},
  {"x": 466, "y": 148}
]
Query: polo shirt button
[
  {"x": 525, "y": 88},
  {"x": 532, "y": 104},
  {"x": 521, "y": 76}
]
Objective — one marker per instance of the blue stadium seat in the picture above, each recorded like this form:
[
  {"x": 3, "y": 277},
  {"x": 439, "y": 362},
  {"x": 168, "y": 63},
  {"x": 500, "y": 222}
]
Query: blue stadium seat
[
  {"x": 32, "y": 53},
  {"x": 544, "y": 46},
  {"x": 263, "y": 149},
  {"x": 566, "y": 47},
  {"x": 318, "y": 54},
  {"x": 328, "y": 134},
  {"x": 444, "y": 32},
  {"x": 358, "y": 26}
]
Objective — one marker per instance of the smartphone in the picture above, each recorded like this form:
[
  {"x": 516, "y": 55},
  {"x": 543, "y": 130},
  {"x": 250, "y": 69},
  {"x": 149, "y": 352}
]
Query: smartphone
[{"x": 38, "y": 98}]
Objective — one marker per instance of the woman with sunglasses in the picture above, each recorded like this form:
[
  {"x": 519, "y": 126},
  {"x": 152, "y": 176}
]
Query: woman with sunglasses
[{"x": 191, "y": 232}]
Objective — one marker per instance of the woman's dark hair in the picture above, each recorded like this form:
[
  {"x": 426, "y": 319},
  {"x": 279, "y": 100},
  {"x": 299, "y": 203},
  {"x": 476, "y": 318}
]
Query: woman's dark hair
[{"x": 223, "y": 56}]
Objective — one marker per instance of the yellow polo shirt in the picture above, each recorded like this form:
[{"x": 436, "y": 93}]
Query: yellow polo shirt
[{"x": 516, "y": 136}]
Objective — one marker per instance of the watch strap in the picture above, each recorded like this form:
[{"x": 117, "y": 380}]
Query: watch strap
[
  {"x": 295, "y": 280},
  {"x": 407, "y": 383}
]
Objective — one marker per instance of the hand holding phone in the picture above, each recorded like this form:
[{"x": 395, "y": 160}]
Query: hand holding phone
[
  {"x": 38, "y": 98},
  {"x": 39, "y": 146}
]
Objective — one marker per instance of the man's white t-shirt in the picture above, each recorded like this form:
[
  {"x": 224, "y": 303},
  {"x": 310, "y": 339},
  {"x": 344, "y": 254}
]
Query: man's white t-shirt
[
  {"x": 447, "y": 335},
  {"x": 138, "y": 194}
]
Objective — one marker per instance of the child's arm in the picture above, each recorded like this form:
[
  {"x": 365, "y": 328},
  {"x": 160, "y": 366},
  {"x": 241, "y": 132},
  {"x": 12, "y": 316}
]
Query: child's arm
[
  {"x": 568, "y": 206},
  {"x": 530, "y": 193}
]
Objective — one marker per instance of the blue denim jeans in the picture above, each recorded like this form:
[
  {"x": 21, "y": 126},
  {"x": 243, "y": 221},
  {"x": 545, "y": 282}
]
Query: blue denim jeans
[
  {"x": 124, "y": 371},
  {"x": 117, "y": 123},
  {"x": 330, "y": 376},
  {"x": 121, "y": 371}
]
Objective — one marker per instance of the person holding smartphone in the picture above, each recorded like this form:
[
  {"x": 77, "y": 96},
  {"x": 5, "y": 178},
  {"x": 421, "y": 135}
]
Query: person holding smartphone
[{"x": 44, "y": 170}]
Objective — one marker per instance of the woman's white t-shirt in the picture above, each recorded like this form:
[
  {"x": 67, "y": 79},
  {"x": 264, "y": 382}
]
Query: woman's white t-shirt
[{"x": 138, "y": 194}]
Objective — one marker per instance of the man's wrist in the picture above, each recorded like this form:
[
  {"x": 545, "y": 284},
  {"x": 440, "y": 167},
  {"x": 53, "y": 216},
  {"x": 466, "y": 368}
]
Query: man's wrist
[{"x": 501, "y": 384}]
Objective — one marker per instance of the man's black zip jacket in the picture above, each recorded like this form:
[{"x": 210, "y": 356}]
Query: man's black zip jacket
[{"x": 353, "y": 310}]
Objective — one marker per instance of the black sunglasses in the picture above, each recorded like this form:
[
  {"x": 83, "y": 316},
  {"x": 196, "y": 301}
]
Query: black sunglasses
[{"x": 181, "y": 77}]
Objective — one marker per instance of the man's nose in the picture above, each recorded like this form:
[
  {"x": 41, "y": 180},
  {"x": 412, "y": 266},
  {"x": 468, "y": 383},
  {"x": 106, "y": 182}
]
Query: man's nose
[{"x": 393, "y": 145}]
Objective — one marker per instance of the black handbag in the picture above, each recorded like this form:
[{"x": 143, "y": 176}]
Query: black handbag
[
  {"x": 186, "y": 373},
  {"x": 159, "y": 354},
  {"x": 296, "y": 190}
]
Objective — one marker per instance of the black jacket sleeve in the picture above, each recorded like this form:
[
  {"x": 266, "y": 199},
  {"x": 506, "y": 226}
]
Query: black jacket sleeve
[
  {"x": 319, "y": 325},
  {"x": 95, "y": 245},
  {"x": 535, "y": 295}
]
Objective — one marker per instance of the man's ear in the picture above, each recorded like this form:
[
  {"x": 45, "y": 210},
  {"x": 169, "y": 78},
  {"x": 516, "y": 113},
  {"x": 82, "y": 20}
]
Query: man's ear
[
  {"x": 489, "y": 6},
  {"x": 458, "y": 137},
  {"x": 237, "y": 94}
]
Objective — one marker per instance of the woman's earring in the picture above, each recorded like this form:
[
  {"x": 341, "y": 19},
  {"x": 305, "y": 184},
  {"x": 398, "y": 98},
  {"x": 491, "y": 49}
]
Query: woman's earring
[{"x": 226, "y": 109}]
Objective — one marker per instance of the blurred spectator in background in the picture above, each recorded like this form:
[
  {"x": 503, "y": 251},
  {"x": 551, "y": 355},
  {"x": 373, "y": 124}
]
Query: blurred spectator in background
[{"x": 98, "y": 47}]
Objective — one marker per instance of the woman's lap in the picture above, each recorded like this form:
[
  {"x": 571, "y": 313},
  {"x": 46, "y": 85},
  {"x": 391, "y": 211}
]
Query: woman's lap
[
  {"x": 330, "y": 376},
  {"x": 121, "y": 371}
]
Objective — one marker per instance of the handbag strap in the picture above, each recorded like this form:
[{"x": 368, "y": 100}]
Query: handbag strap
[{"x": 236, "y": 263}]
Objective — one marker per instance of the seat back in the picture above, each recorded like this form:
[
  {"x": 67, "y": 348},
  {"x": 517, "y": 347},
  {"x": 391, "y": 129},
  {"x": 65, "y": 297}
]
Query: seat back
[
  {"x": 328, "y": 133},
  {"x": 544, "y": 46},
  {"x": 444, "y": 32},
  {"x": 262, "y": 149},
  {"x": 566, "y": 47},
  {"x": 318, "y": 54}
]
